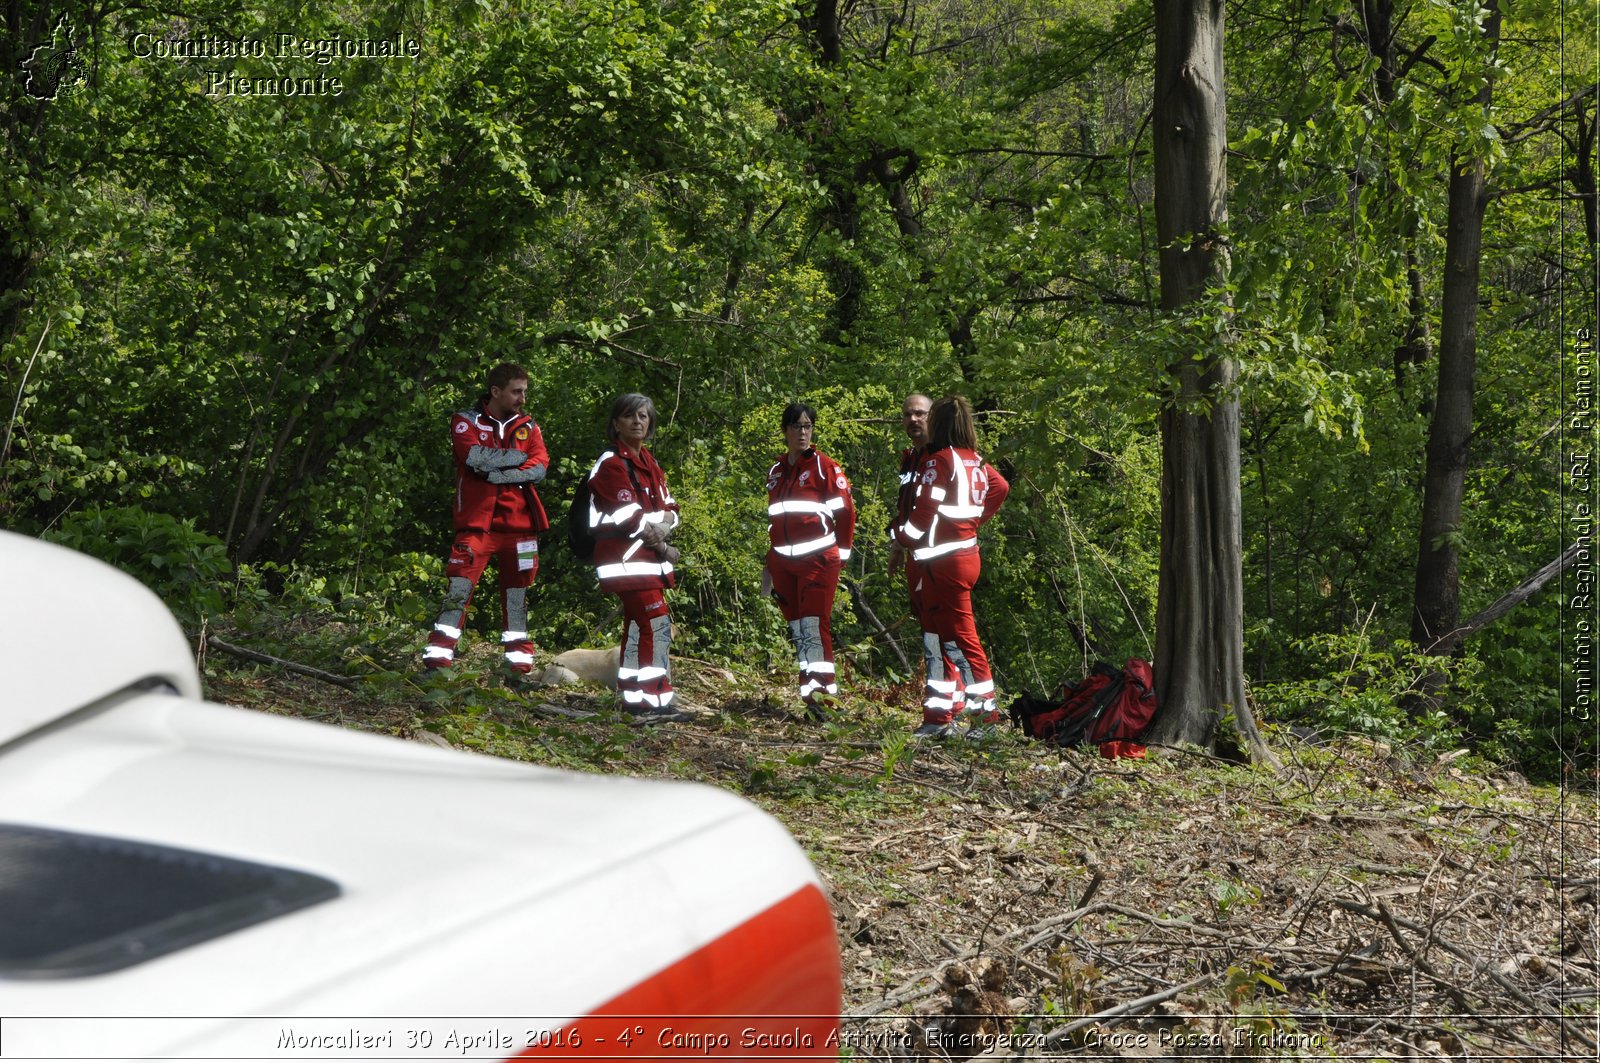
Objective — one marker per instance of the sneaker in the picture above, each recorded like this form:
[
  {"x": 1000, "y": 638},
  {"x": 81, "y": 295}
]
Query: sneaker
[{"x": 931, "y": 730}]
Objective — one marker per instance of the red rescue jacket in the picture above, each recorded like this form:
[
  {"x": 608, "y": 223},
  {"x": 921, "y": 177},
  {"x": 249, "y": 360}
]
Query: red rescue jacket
[
  {"x": 957, "y": 491},
  {"x": 481, "y": 505},
  {"x": 809, "y": 508},
  {"x": 628, "y": 490},
  {"x": 910, "y": 464}
]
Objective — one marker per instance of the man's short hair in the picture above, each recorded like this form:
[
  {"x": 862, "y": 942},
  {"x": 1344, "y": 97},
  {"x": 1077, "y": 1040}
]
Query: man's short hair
[{"x": 503, "y": 374}]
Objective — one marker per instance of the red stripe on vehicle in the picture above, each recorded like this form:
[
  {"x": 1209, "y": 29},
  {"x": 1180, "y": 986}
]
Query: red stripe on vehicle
[{"x": 768, "y": 987}]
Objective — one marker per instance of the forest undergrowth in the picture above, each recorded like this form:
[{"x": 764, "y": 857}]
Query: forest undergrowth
[{"x": 1003, "y": 899}]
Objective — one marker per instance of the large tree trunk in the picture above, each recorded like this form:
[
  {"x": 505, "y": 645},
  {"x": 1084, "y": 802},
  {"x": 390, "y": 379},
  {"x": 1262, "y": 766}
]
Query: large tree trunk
[
  {"x": 1199, "y": 665},
  {"x": 1438, "y": 588},
  {"x": 847, "y": 281},
  {"x": 1378, "y": 30}
]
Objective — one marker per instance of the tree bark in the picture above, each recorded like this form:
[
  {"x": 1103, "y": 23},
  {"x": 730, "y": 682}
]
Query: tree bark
[
  {"x": 1437, "y": 597},
  {"x": 1199, "y": 665},
  {"x": 1377, "y": 21}
]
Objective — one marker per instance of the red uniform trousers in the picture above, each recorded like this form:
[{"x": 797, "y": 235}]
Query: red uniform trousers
[
  {"x": 516, "y": 555},
  {"x": 946, "y": 609},
  {"x": 644, "y": 675},
  {"x": 944, "y": 692},
  {"x": 804, "y": 588}
]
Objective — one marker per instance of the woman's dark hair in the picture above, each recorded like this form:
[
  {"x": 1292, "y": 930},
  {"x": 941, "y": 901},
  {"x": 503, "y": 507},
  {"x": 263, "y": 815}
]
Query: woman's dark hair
[
  {"x": 950, "y": 424},
  {"x": 628, "y": 405},
  {"x": 793, "y": 412}
]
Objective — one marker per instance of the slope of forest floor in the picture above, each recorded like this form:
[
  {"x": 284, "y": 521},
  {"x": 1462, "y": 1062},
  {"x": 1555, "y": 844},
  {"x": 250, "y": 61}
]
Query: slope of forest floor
[{"x": 1005, "y": 900}]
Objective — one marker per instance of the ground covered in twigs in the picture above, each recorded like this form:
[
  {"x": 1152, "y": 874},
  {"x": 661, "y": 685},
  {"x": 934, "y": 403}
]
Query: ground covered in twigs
[{"x": 1006, "y": 900}]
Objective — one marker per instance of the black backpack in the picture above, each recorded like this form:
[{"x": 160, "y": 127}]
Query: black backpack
[{"x": 579, "y": 537}]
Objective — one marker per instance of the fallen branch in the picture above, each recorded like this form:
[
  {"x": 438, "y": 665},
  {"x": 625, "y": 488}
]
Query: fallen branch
[
  {"x": 290, "y": 666},
  {"x": 860, "y": 599},
  {"x": 913, "y": 988},
  {"x": 1060, "y": 1037},
  {"x": 1394, "y": 922}
]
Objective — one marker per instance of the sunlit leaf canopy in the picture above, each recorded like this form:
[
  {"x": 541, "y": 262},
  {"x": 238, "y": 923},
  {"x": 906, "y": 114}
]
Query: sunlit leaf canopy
[{"x": 244, "y": 316}]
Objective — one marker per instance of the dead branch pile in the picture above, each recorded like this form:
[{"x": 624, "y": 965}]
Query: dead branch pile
[{"x": 1259, "y": 922}]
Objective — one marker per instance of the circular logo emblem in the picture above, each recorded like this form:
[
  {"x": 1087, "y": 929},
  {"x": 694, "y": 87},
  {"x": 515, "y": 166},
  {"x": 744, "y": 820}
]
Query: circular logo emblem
[
  {"x": 522, "y": 433},
  {"x": 461, "y": 426},
  {"x": 625, "y": 495},
  {"x": 839, "y": 482},
  {"x": 483, "y": 437},
  {"x": 927, "y": 477}
]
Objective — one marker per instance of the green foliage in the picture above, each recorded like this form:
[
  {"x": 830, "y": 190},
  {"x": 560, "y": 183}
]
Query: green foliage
[
  {"x": 252, "y": 319},
  {"x": 187, "y": 568},
  {"x": 1388, "y": 692}
]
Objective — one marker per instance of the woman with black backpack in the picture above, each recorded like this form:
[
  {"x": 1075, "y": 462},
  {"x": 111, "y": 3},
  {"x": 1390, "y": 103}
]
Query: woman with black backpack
[{"x": 631, "y": 515}]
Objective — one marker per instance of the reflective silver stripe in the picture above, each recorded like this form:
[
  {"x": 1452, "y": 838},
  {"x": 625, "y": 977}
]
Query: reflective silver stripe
[
  {"x": 661, "y": 633},
  {"x": 937, "y": 493},
  {"x": 777, "y": 508},
  {"x": 801, "y": 549},
  {"x": 632, "y": 549},
  {"x": 942, "y": 687},
  {"x": 644, "y": 675},
  {"x": 952, "y": 650},
  {"x": 518, "y": 657},
  {"x": 960, "y": 512},
  {"x": 906, "y": 477},
  {"x": 911, "y": 531},
  {"x": 628, "y": 662},
  {"x": 513, "y": 636},
  {"x": 821, "y": 667},
  {"x": 844, "y": 553},
  {"x": 438, "y": 653},
  {"x": 634, "y": 568},
  {"x": 516, "y": 611},
  {"x": 981, "y": 689},
  {"x": 447, "y": 630},
  {"x": 597, "y": 518},
  {"x": 807, "y": 634},
  {"x": 924, "y": 553},
  {"x": 836, "y": 502}
]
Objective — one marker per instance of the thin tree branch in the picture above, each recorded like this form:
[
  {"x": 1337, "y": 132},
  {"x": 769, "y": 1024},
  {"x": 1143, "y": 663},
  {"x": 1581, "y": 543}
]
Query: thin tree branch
[{"x": 1505, "y": 603}]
